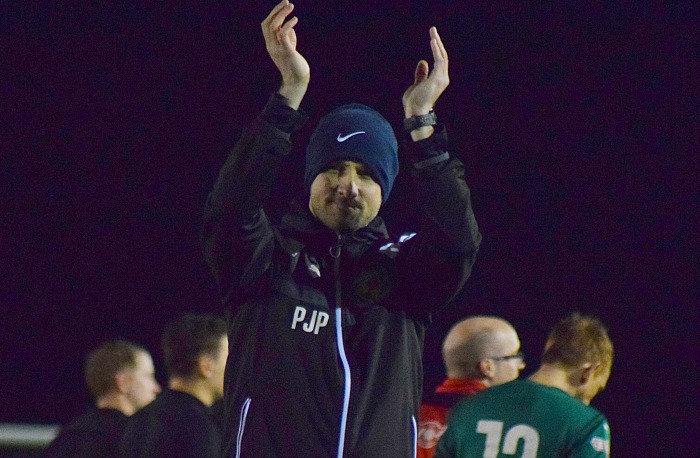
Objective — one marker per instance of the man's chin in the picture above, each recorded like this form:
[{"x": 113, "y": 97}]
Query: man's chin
[
  {"x": 349, "y": 223},
  {"x": 348, "y": 226},
  {"x": 342, "y": 220}
]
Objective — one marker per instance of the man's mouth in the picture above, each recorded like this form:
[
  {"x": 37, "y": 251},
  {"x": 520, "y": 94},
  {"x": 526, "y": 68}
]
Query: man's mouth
[{"x": 352, "y": 204}]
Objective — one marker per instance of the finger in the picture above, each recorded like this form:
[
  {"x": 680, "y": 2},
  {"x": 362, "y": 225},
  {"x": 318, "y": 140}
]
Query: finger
[
  {"x": 274, "y": 11},
  {"x": 433, "y": 32},
  {"x": 435, "y": 39},
  {"x": 277, "y": 16},
  {"x": 289, "y": 25},
  {"x": 286, "y": 33},
  {"x": 421, "y": 72},
  {"x": 281, "y": 15},
  {"x": 439, "y": 52}
]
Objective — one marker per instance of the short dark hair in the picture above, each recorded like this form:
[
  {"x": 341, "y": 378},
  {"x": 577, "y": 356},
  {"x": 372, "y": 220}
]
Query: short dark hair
[
  {"x": 578, "y": 339},
  {"x": 104, "y": 362},
  {"x": 187, "y": 338}
]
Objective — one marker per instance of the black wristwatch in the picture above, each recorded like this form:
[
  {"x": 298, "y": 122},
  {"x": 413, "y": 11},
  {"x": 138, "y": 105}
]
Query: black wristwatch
[{"x": 415, "y": 122}]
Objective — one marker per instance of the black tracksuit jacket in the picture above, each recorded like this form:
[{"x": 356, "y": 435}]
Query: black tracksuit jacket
[{"x": 326, "y": 331}]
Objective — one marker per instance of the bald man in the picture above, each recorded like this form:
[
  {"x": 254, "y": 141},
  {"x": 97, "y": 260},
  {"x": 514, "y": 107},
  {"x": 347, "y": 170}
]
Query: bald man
[
  {"x": 478, "y": 352},
  {"x": 547, "y": 414}
]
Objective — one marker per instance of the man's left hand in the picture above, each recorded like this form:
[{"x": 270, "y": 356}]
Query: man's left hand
[{"x": 421, "y": 96}]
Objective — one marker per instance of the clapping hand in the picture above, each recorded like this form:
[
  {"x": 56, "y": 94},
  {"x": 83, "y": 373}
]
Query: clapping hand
[
  {"x": 427, "y": 86},
  {"x": 281, "y": 44}
]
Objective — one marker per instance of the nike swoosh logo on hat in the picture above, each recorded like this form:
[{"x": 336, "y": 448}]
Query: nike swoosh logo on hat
[{"x": 342, "y": 138}]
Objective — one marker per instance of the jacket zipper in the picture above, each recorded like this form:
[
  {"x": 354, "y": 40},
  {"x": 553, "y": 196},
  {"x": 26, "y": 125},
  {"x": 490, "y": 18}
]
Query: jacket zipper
[
  {"x": 241, "y": 425},
  {"x": 415, "y": 436},
  {"x": 335, "y": 253}
]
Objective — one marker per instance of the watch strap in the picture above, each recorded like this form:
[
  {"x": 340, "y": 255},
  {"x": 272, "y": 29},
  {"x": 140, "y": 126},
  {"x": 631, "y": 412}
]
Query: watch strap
[{"x": 415, "y": 122}]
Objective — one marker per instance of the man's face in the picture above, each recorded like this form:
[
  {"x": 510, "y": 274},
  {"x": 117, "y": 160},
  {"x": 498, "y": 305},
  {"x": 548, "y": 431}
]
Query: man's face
[
  {"x": 508, "y": 366},
  {"x": 142, "y": 386},
  {"x": 345, "y": 197},
  {"x": 219, "y": 368}
]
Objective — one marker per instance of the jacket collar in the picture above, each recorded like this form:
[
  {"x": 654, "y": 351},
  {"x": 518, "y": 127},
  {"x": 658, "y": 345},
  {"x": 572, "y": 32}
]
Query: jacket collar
[{"x": 301, "y": 225}]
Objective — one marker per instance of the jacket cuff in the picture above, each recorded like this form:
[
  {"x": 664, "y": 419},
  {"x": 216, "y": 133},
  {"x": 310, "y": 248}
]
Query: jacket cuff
[
  {"x": 283, "y": 117},
  {"x": 430, "y": 150}
]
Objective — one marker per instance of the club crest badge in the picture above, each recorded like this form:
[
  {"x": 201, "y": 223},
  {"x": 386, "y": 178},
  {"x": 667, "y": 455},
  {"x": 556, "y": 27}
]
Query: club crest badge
[{"x": 373, "y": 285}]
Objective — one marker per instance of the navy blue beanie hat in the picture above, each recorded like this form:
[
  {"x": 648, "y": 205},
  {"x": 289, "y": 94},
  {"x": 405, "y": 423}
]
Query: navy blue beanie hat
[{"x": 358, "y": 133}]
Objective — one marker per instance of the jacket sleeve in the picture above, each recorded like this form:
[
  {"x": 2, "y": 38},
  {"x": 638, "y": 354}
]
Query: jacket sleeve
[
  {"x": 236, "y": 235},
  {"x": 448, "y": 235}
]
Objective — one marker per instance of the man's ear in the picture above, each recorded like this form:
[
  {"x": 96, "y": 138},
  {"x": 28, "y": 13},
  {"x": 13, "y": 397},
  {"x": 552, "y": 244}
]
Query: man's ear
[
  {"x": 205, "y": 364},
  {"x": 586, "y": 372},
  {"x": 122, "y": 381},
  {"x": 486, "y": 368}
]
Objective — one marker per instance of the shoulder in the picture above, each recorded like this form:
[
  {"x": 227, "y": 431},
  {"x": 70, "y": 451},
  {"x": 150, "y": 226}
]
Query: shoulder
[
  {"x": 95, "y": 433},
  {"x": 97, "y": 419},
  {"x": 187, "y": 409},
  {"x": 517, "y": 392}
]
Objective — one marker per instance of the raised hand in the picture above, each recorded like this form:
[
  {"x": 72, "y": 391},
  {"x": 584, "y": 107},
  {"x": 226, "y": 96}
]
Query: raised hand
[
  {"x": 281, "y": 44},
  {"x": 421, "y": 96}
]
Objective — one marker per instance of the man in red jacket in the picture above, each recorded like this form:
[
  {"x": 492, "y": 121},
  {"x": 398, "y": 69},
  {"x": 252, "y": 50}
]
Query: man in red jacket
[{"x": 478, "y": 352}]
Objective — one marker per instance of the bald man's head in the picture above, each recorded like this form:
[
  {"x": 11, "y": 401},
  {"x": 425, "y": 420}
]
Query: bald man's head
[{"x": 482, "y": 348}]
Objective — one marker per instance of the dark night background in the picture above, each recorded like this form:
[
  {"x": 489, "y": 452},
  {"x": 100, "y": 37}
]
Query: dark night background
[{"x": 577, "y": 124}]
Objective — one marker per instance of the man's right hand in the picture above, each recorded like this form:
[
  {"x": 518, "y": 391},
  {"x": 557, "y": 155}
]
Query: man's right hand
[{"x": 281, "y": 44}]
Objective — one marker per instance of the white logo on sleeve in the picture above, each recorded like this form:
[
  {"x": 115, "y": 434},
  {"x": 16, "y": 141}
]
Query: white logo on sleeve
[
  {"x": 317, "y": 320},
  {"x": 600, "y": 445},
  {"x": 342, "y": 138}
]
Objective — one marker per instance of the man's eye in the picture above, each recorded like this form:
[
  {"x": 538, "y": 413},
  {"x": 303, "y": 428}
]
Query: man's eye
[{"x": 365, "y": 174}]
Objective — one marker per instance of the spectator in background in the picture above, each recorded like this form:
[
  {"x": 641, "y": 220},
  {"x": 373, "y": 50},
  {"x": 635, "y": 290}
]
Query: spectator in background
[
  {"x": 547, "y": 415},
  {"x": 120, "y": 376},
  {"x": 478, "y": 352},
  {"x": 180, "y": 423}
]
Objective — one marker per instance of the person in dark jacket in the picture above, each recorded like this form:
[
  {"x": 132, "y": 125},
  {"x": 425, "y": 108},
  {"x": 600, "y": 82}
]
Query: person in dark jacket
[
  {"x": 327, "y": 311},
  {"x": 121, "y": 378},
  {"x": 179, "y": 423}
]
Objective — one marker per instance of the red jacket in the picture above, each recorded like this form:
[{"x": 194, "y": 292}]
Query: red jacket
[{"x": 434, "y": 411}]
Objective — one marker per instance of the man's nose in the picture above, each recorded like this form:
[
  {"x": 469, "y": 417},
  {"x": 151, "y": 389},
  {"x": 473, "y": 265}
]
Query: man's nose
[{"x": 347, "y": 183}]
